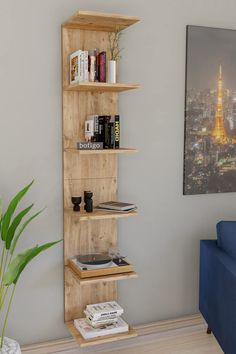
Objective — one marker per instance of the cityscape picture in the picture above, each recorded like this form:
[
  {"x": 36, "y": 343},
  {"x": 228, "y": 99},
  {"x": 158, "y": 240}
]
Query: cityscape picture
[{"x": 210, "y": 111}]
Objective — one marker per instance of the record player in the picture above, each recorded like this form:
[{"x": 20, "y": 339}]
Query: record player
[{"x": 99, "y": 264}]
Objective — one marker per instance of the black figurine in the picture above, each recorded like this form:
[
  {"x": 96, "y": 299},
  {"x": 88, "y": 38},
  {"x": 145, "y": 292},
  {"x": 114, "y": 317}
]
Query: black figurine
[
  {"x": 76, "y": 201},
  {"x": 88, "y": 201}
]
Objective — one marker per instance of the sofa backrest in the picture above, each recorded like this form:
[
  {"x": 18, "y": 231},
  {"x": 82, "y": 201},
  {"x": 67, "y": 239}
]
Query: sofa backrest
[{"x": 226, "y": 237}]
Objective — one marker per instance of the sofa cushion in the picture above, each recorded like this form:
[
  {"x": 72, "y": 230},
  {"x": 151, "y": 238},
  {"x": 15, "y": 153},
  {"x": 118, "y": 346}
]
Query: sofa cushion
[{"x": 226, "y": 237}]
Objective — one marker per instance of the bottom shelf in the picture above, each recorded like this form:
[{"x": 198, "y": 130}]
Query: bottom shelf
[{"x": 99, "y": 340}]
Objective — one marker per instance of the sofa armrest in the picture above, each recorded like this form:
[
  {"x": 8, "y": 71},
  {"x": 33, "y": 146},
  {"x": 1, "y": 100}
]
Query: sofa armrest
[{"x": 218, "y": 293}]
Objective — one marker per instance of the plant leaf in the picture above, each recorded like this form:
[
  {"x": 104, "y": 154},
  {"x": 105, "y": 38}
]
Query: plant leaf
[
  {"x": 19, "y": 263},
  {"x": 11, "y": 209},
  {"x": 0, "y": 214},
  {"x": 16, "y": 238},
  {"x": 15, "y": 223}
]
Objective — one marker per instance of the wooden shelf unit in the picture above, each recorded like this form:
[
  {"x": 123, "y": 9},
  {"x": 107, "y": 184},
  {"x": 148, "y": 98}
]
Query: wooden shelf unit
[
  {"x": 99, "y": 215},
  {"x": 100, "y": 87},
  {"x": 103, "y": 278},
  {"x": 99, "y": 340},
  {"x": 104, "y": 151},
  {"x": 90, "y": 170}
]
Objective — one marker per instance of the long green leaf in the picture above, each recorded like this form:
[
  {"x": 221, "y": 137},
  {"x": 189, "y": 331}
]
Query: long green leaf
[
  {"x": 0, "y": 208},
  {"x": 16, "y": 238},
  {"x": 0, "y": 214},
  {"x": 15, "y": 223},
  {"x": 19, "y": 263},
  {"x": 11, "y": 209}
]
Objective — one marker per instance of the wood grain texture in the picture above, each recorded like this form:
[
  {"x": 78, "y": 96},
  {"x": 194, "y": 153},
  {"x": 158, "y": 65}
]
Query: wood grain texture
[
  {"x": 77, "y": 297},
  {"x": 99, "y": 21},
  {"x": 103, "y": 278},
  {"x": 101, "y": 87},
  {"x": 102, "y": 152}
]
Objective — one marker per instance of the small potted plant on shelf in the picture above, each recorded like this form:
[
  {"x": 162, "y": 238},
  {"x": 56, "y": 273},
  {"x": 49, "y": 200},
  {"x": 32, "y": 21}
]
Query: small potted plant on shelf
[
  {"x": 114, "y": 50},
  {"x": 11, "y": 265}
]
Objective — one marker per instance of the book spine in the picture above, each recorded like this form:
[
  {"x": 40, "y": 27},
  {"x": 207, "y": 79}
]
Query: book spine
[
  {"x": 96, "y": 53},
  {"x": 92, "y": 66},
  {"x": 117, "y": 132},
  {"x": 106, "y": 133},
  {"x": 101, "y": 123},
  {"x": 86, "y": 65},
  {"x": 81, "y": 67},
  {"x": 102, "y": 67}
]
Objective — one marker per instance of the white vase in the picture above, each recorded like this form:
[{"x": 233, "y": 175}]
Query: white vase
[
  {"x": 10, "y": 346},
  {"x": 112, "y": 71}
]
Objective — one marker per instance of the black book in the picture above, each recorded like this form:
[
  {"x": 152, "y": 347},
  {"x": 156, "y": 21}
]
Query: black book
[
  {"x": 101, "y": 128},
  {"x": 116, "y": 131}
]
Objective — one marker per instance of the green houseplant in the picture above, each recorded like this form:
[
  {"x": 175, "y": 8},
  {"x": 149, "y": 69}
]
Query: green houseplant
[{"x": 11, "y": 265}]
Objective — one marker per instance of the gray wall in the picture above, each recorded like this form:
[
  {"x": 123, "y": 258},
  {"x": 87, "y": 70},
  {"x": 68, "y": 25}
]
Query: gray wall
[{"x": 164, "y": 240}]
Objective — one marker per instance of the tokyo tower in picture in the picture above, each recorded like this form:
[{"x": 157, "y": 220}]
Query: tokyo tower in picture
[{"x": 219, "y": 132}]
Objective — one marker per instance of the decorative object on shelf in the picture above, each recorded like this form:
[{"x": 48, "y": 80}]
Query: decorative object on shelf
[
  {"x": 210, "y": 111},
  {"x": 11, "y": 265},
  {"x": 90, "y": 146},
  {"x": 76, "y": 201},
  {"x": 114, "y": 51},
  {"x": 88, "y": 201}
]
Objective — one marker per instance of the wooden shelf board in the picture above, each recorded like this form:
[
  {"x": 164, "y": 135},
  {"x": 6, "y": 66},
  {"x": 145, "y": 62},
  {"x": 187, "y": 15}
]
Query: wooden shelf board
[
  {"x": 102, "y": 152},
  {"x": 99, "y": 340},
  {"x": 98, "y": 21},
  {"x": 103, "y": 278},
  {"x": 99, "y": 215},
  {"x": 100, "y": 87}
]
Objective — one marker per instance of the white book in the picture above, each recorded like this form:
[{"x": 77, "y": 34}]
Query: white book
[
  {"x": 86, "y": 73},
  {"x": 75, "y": 67},
  {"x": 104, "y": 309},
  {"x": 101, "y": 323},
  {"x": 102, "y": 318},
  {"x": 81, "y": 72},
  {"x": 88, "y": 332}
]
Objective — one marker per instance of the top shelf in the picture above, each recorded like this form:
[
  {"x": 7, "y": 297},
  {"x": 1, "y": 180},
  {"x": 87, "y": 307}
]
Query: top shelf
[{"x": 98, "y": 21}]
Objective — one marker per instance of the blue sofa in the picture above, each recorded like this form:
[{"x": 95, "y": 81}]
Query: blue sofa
[{"x": 218, "y": 285}]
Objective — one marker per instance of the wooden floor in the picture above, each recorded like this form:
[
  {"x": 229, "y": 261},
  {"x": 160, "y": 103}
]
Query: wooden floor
[{"x": 180, "y": 336}]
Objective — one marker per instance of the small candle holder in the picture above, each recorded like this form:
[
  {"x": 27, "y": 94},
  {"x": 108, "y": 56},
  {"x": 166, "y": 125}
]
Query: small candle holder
[{"x": 76, "y": 202}]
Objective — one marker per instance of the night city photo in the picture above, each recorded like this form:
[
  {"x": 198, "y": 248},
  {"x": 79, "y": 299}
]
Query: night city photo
[{"x": 210, "y": 111}]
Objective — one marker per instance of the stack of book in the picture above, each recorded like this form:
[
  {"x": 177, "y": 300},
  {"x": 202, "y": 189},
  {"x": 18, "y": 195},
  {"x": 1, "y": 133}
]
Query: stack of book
[
  {"x": 101, "y": 319},
  {"x": 103, "y": 129},
  {"x": 88, "y": 66}
]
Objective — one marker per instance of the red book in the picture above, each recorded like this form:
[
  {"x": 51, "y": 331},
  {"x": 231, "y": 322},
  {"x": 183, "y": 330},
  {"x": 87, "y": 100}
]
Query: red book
[{"x": 102, "y": 67}]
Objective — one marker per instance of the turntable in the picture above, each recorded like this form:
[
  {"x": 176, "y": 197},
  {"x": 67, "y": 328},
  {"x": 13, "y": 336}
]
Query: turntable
[{"x": 99, "y": 264}]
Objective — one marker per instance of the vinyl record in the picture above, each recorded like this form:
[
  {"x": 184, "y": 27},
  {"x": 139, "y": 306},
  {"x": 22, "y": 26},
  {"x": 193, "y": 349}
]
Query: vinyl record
[{"x": 94, "y": 258}]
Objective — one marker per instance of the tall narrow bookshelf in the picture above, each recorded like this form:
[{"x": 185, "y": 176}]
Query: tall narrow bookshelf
[{"x": 90, "y": 170}]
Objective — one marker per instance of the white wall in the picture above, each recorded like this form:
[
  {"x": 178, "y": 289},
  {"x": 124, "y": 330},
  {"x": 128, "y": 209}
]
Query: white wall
[{"x": 164, "y": 240}]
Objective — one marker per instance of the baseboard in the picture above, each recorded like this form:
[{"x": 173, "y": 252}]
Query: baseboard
[{"x": 161, "y": 329}]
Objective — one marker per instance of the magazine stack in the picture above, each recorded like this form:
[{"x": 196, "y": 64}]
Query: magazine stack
[{"x": 101, "y": 319}]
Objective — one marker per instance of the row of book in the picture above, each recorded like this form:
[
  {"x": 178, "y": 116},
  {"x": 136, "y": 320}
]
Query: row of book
[
  {"x": 101, "y": 319},
  {"x": 103, "y": 129},
  {"x": 87, "y": 66}
]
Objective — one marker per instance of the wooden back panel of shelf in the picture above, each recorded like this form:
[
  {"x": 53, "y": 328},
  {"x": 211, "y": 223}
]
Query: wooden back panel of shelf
[{"x": 97, "y": 173}]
